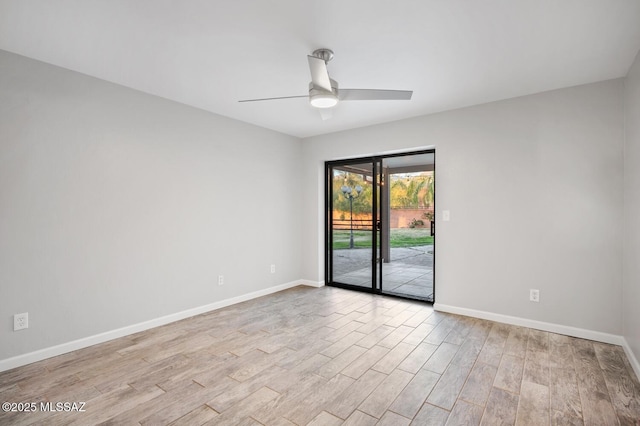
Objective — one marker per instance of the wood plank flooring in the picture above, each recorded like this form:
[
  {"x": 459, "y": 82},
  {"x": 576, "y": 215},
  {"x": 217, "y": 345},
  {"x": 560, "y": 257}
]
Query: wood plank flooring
[{"x": 328, "y": 356}]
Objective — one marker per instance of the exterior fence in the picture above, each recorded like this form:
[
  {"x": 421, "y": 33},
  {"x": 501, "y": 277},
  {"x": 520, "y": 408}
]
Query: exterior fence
[
  {"x": 400, "y": 218},
  {"x": 358, "y": 225}
]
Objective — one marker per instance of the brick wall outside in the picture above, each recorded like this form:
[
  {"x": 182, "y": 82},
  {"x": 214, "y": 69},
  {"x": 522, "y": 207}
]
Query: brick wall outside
[{"x": 400, "y": 218}]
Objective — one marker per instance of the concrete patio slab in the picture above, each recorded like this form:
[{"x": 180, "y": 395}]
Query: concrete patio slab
[{"x": 408, "y": 273}]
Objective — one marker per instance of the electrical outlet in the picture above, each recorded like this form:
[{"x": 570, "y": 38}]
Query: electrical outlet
[
  {"x": 273, "y": 269},
  {"x": 534, "y": 295},
  {"x": 220, "y": 279},
  {"x": 20, "y": 321}
]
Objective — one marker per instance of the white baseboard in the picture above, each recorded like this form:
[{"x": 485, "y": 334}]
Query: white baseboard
[
  {"x": 538, "y": 325},
  {"x": 316, "y": 284},
  {"x": 28, "y": 358},
  {"x": 632, "y": 358}
]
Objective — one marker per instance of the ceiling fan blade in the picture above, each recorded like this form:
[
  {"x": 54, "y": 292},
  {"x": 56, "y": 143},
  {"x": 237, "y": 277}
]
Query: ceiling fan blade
[
  {"x": 374, "y": 95},
  {"x": 326, "y": 113},
  {"x": 319, "y": 73},
  {"x": 272, "y": 99}
]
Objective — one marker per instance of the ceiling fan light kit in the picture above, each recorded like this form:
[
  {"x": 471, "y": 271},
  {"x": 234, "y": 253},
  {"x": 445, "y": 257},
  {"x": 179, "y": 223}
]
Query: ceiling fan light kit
[
  {"x": 321, "y": 98},
  {"x": 324, "y": 93}
]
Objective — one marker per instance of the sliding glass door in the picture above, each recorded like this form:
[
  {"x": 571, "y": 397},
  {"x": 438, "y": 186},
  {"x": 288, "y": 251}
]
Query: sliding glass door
[{"x": 380, "y": 224}]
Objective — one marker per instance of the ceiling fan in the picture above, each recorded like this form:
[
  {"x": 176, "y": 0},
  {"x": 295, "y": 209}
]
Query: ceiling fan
[{"x": 324, "y": 92}]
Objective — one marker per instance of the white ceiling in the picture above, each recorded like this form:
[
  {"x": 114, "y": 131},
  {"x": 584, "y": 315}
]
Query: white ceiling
[{"x": 212, "y": 53}]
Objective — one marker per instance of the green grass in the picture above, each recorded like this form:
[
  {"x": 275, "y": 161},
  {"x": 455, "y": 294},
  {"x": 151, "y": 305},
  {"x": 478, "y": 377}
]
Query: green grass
[{"x": 400, "y": 237}]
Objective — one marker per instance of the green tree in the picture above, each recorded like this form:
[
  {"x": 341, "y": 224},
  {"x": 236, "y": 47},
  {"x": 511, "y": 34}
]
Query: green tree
[
  {"x": 361, "y": 202},
  {"x": 398, "y": 193},
  {"x": 427, "y": 191},
  {"x": 406, "y": 191},
  {"x": 412, "y": 191}
]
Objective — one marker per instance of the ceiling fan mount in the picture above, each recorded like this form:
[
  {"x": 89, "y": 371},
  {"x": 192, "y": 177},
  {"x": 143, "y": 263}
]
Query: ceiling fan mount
[
  {"x": 324, "y": 92},
  {"x": 325, "y": 54}
]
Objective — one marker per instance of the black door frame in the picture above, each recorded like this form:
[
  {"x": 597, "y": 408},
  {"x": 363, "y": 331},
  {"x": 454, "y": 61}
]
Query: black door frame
[
  {"x": 376, "y": 263},
  {"x": 328, "y": 234}
]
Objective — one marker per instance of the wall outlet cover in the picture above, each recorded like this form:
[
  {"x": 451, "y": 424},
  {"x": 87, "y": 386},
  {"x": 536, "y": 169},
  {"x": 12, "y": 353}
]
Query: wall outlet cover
[
  {"x": 534, "y": 295},
  {"x": 20, "y": 321}
]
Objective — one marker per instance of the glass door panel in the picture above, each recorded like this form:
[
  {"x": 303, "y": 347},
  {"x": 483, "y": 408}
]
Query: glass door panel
[
  {"x": 352, "y": 223},
  {"x": 408, "y": 243}
]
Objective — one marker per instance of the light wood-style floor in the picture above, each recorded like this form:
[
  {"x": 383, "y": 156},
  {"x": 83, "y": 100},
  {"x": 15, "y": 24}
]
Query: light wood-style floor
[{"x": 330, "y": 357}]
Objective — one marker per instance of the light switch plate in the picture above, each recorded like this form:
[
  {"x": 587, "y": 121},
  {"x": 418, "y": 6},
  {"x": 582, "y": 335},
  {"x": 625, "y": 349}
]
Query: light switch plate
[{"x": 446, "y": 215}]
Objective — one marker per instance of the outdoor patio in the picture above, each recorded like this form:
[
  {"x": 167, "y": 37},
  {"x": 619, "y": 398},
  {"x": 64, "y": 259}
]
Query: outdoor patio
[{"x": 409, "y": 272}]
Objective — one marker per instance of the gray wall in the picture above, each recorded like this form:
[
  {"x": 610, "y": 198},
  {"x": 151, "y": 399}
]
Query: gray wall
[
  {"x": 118, "y": 207},
  {"x": 542, "y": 174},
  {"x": 631, "y": 288}
]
